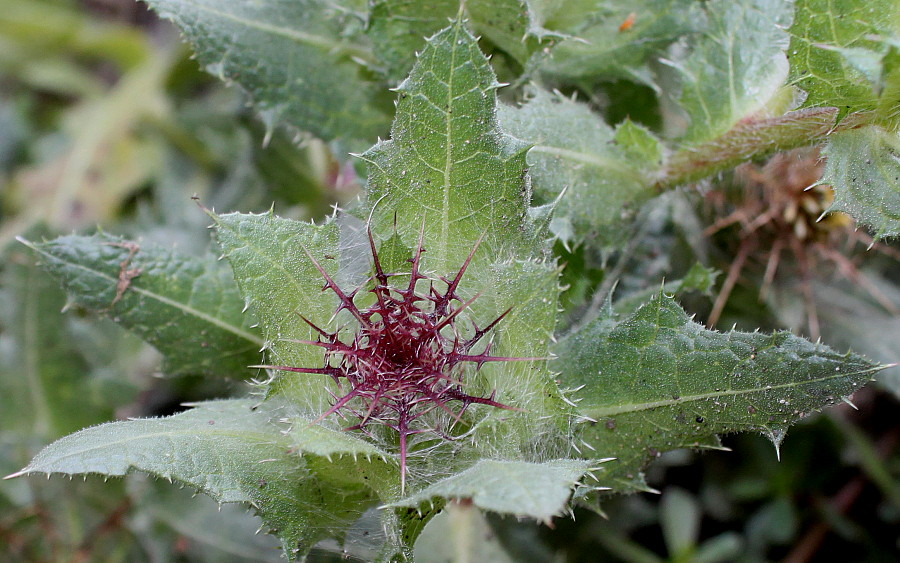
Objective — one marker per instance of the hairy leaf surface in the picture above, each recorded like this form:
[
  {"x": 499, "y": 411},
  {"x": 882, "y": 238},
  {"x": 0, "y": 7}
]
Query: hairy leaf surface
[
  {"x": 228, "y": 450},
  {"x": 835, "y": 48},
  {"x": 450, "y": 170},
  {"x": 292, "y": 56},
  {"x": 536, "y": 490},
  {"x": 657, "y": 381},
  {"x": 280, "y": 282},
  {"x": 863, "y": 167},
  {"x": 188, "y": 308},
  {"x": 735, "y": 66},
  {"x": 598, "y": 174},
  {"x": 447, "y": 164}
]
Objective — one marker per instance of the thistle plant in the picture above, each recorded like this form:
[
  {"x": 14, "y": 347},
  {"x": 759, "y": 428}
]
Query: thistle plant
[
  {"x": 404, "y": 359},
  {"x": 431, "y": 371}
]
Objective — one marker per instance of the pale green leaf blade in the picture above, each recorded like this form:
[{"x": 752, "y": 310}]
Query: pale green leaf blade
[
  {"x": 863, "y": 167},
  {"x": 226, "y": 449},
  {"x": 343, "y": 458},
  {"x": 656, "y": 381},
  {"x": 613, "y": 39},
  {"x": 535, "y": 490},
  {"x": 598, "y": 174},
  {"x": 188, "y": 308},
  {"x": 293, "y": 58},
  {"x": 450, "y": 173},
  {"x": 735, "y": 67},
  {"x": 680, "y": 515},
  {"x": 280, "y": 283},
  {"x": 447, "y": 164},
  {"x": 324, "y": 441},
  {"x": 827, "y": 38}
]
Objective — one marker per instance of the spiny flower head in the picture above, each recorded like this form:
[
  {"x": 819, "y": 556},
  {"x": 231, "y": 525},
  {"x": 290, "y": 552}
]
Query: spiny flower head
[{"x": 407, "y": 355}]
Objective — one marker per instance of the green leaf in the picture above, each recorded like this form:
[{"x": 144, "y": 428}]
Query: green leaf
[
  {"x": 228, "y": 450},
  {"x": 507, "y": 24},
  {"x": 638, "y": 143},
  {"x": 45, "y": 388},
  {"x": 680, "y": 515},
  {"x": 398, "y": 28},
  {"x": 604, "y": 45},
  {"x": 292, "y": 57},
  {"x": 280, "y": 283},
  {"x": 447, "y": 164},
  {"x": 535, "y": 490},
  {"x": 460, "y": 533},
  {"x": 188, "y": 308},
  {"x": 578, "y": 159},
  {"x": 735, "y": 67},
  {"x": 450, "y": 173},
  {"x": 657, "y": 381},
  {"x": 863, "y": 167},
  {"x": 827, "y": 40}
]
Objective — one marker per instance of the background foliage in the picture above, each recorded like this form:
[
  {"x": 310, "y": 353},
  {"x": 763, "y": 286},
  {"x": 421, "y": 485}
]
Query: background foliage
[{"x": 107, "y": 121}]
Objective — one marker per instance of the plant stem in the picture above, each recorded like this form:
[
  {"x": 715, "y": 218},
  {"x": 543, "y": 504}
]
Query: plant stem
[{"x": 753, "y": 139}]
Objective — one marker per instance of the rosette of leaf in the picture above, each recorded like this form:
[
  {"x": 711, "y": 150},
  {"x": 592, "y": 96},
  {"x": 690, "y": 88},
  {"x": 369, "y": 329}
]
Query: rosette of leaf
[{"x": 397, "y": 401}]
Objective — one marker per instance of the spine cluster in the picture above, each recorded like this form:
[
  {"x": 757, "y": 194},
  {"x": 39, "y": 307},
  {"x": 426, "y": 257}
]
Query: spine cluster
[{"x": 406, "y": 357}]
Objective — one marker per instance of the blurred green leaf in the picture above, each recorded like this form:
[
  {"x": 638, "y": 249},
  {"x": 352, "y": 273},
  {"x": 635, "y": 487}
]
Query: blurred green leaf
[
  {"x": 46, "y": 389},
  {"x": 680, "y": 515},
  {"x": 459, "y": 533},
  {"x": 851, "y": 317},
  {"x": 292, "y": 56},
  {"x": 99, "y": 161},
  {"x": 398, "y": 28},
  {"x": 203, "y": 530},
  {"x": 614, "y": 39},
  {"x": 188, "y": 308},
  {"x": 43, "y": 42}
]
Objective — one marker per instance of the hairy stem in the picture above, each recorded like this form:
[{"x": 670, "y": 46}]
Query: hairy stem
[{"x": 754, "y": 139}]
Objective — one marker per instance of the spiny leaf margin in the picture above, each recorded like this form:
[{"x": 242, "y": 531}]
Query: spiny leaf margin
[{"x": 656, "y": 381}]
